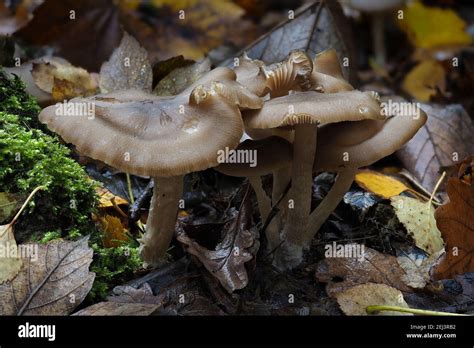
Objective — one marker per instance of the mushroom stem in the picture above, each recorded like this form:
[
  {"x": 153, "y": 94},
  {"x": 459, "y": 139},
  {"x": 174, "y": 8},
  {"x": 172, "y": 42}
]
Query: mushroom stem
[
  {"x": 281, "y": 179},
  {"x": 161, "y": 221},
  {"x": 264, "y": 202},
  {"x": 378, "y": 27},
  {"x": 299, "y": 205},
  {"x": 330, "y": 202}
]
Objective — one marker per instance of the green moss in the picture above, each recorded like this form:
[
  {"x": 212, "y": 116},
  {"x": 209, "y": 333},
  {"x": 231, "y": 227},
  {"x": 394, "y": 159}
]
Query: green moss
[
  {"x": 29, "y": 157},
  {"x": 14, "y": 100}
]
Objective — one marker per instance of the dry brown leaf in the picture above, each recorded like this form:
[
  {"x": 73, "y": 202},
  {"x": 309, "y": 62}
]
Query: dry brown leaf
[
  {"x": 417, "y": 269},
  {"x": 445, "y": 139},
  {"x": 129, "y": 294},
  {"x": 456, "y": 222},
  {"x": 355, "y": 300},
  {"x": 314, "y": 28},
  {"x": 418, "y": 219},
  {"x": 54, "y": 282},
  {"x": 239, "y": 245},
  {"x": 118, "y": 309},
  {"x": 127, "y": 68},
  {"x": 374, "y": 268}
]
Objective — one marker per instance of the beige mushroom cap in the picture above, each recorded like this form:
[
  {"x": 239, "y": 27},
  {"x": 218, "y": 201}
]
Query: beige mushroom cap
[
  {"x": 359, "y": 144},
  {"x": 147, "y": 135},
  {"x": 251, "y": 75},
  {"x": 314, "y": 108},
  {"x": 327, "y": 74},
  {"x": 271, "y": 154}
]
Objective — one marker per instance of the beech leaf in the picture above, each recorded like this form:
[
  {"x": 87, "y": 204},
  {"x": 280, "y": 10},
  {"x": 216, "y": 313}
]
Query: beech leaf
[
  {"x": 445, "y": 139},
  {"x": 54, "y": 282},
  {"x": 127, "y": 68},
  {"x": 418, "y": 219},
  {"x": 314, "y": 28}
]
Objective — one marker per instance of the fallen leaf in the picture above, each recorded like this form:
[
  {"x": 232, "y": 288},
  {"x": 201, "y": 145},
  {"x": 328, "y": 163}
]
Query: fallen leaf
[
  {"x": 382, "y": 185},
  {"x": 10, "y": 262},
  {"x": 417, "y": 267},
  {"x": 107, "y": 198},
  {"x": 179, "y": 79},
  {"x": 114, "y": 233},
  {"x": 85, "y": 32},
  {"x": 456, "y": 223},
  {"x": 425, "y": 80},
  {"x": 355, "y": 300},
  {"x": 418, "y": 219},
  {"x": 445, "y": 139},
  {"x": 341, "y": 274},
  {"x": 127, "y": 68},
  {"x": 129, "y": 294},
  {"x": 239, "y": 245},
  {"x": 429, "y": 27},
  {"x": 314, "y": 28},
  {"x": 59, "y": 78},
  {"x": 54, "y": 282},
  {"x": 9, "y": 204},
  {"x": 118, "y": 309}
]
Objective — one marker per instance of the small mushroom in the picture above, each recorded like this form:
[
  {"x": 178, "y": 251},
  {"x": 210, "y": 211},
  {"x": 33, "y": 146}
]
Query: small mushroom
[
  {"x": 327, "y": 74},
  {"x": 348, "y": 146},
  {"x": 377, "y": 11},
  {"x": 272, "y": 154},
  {"x": 303, "y": 112},
  {"x": 161, "y": 137}
]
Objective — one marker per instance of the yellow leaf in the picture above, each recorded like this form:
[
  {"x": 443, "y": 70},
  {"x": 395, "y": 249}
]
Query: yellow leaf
[
  {"x": 106, "y": 197},
  {"x": 424, "y": 79},
  {"x": 380, "y": 184},
  {"x": 418, "y": 219},
  {"x": 429, "y": 27},
  {"x": 113, "y": 230}
]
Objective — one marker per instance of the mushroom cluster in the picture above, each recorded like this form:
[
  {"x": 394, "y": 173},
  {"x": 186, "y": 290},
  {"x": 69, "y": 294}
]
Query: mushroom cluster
[{"x": 302, "y": 117}]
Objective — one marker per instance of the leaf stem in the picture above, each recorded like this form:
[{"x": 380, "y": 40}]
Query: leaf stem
[{"x": 378, "y": 308}]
